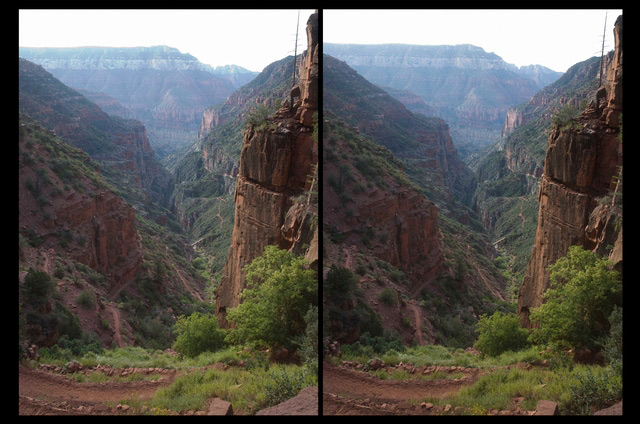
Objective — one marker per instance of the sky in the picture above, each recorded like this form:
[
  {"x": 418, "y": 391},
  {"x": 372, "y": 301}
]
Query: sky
[
  {"x": 557, "y": 39},
  {"x": 252, "y": 39}
]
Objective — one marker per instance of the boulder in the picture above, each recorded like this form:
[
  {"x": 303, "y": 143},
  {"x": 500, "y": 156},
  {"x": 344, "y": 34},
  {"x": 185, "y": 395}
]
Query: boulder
[
  {"x": 546, "y": 407},
  {"x": 220, "y": 407}
]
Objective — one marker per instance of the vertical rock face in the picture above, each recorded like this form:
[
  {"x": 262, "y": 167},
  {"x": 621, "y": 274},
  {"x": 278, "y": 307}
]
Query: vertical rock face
[
  {"x": 581, "y": 166},
  {"x": 275, "y": 164}
]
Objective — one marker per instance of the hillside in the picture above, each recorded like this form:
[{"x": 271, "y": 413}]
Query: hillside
[
  {"x": 394, "y": 216},
  {"x": 95, "y": 222}
]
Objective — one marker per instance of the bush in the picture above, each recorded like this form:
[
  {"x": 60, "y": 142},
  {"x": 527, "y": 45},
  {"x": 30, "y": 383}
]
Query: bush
[
  {"x": 284, "y": 384},
  {"x": 87, "y": 299},
  {"x": 258, "y": 117},
  {"x": 613, "y": 344},
  {"x": 198, "y": 333},
  {"x": 309, "y": 341},
  {"x": 594, "y": 388},
  {"x": 37, "y": 286},
  {"x": 582, "y": 295},
  {"x": 499, "y": 333},
  {"x": 280, "y": 289},
  {"x": 388, "y": 296}
]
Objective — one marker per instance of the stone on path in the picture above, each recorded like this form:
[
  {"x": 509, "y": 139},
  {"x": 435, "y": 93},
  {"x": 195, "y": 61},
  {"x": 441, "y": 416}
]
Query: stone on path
[
  {"x": 546, "y": 407},
  {"x": 220, "y": 407}
]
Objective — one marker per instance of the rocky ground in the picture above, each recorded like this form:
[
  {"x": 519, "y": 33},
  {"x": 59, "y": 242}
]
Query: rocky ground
[
  {"x": 49, "y": 391},
  {"x": 349, "y": 390}
]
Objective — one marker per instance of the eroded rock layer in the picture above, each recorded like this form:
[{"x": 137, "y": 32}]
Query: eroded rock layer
[
  {"x": 581, "y": 171},
  {"x": 276, "y": 163}
]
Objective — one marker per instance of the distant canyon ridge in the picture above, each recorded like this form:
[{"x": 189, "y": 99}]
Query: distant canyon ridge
[
  {"x": 469, "y": 88},
  {"x": 161, "y": 87}
]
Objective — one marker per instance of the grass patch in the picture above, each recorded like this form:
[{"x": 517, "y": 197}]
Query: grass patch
[
  {"x": 247, "y": 391},
  {"x": 580, "y": 390}
]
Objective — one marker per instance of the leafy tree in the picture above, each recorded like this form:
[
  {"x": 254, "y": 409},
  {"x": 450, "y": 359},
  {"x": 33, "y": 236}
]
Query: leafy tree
[
  {"x": 499, "y": 333},
  {"x": 582, "y": 295},
  {"x": 198, "y": 333},
  {"x": 340, "y": 283},
  {"x": 37, "y": 286},
  {"x": 280, "y": 289}
]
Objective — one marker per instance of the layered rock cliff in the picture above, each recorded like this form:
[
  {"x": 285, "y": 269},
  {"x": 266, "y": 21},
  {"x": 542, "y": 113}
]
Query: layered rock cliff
[
  {"x": 577, "y": 197},
  {"x": 277, "y": 167}
]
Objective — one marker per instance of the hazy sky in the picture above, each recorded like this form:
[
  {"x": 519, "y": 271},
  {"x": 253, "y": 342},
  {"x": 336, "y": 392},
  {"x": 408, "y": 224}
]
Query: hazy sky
[
  {"x": 251, "y": 39},
  {"x": 556, "y": 39}
]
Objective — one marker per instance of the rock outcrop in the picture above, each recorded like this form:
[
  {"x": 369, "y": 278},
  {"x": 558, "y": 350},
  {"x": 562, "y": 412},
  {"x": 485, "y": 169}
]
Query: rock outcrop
[
  {"x": 276, "y": 163},
  {"x": 582, "y": 166}
]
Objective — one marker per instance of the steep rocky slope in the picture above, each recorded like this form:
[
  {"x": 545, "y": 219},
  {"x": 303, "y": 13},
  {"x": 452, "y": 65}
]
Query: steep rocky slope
[
  {"x": 582, "y": 174},
  {"x": 94, "y": 222},
  {"x": 165, "y": 89},
  {"x": 278, "y": 166},
  {"x": 122, "y": 145},
  {"x": 394, "y": 215},
  {"x": 469, "y": 88},
  {"x": 423, "y": 143}
]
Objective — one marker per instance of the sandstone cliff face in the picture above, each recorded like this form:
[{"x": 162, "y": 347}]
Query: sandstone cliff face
[
  {"x": 580, "y": 169},
  {"x": 275, "y": 165}
]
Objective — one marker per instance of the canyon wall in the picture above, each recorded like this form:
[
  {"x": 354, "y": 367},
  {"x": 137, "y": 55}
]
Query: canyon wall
[
  {"x": 581, "y": 170},
  {"x": 276, "y": 161}
]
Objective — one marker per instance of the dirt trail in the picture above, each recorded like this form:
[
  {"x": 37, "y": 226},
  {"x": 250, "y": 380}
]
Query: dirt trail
[
  {"x": 116, "y": 319},
  {"x": 190, "y": 289},
  {"x": 417, "y": 318},
  {"x": 46, "y": 393},
  {"x": 349, "y": 392}
]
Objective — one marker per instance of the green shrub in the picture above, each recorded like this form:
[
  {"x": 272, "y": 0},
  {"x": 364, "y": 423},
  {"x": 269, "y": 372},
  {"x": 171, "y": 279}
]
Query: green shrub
[
  {"x": 37, "y": 285},
  {"x": 284, "y": 385},
  {"x": 280, "y": 289},
  {"x": 309, "y": 341},
  {"x": 499, "y": 333},
  {"x": 258, "y": 117},
  {"x": 613, "y": 344},
  {"x": 198, "y": 333},
  {"x": 582, "y": 295},
  {"x": 87, "y": 299},
  {"x": 388, "y": 296},
  {"x": 593, "y": 388}
]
